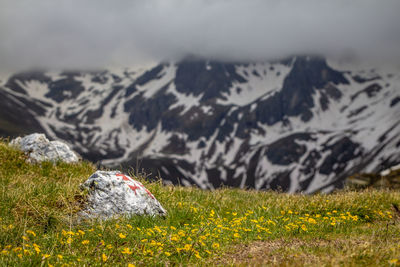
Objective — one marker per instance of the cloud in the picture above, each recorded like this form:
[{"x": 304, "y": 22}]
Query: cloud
[{"x": 97, "y": 34}]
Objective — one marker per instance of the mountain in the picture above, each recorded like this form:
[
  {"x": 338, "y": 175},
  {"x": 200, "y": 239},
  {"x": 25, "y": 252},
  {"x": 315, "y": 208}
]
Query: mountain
[{"x": 301, "y": 124}]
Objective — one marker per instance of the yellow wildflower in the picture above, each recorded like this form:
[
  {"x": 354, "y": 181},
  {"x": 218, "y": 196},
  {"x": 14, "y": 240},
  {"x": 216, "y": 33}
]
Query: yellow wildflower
[
  {"x": 60, "y": 257},
  {"x": 104, "y": 257},
  {"x": 150, "y": 252},
  {"x": 181, "y": 233},
  {"x": 109, "y": 246},
  {"x": 85, "y": 242},
  {"x": 126, "y": 251},
  {"x": 131, "y": 265},
  {"x": 215, "y": 245},
  {"x": 304, "y": 228},
  {"x": 45, "y": 256},
  {"x": 36, "y": 248},
  {"x": 311, "y": 220},
  {"x": 25, "y": 238},
  {"x": 167, "y": 253},
  {"x": 31, "y": 232},
  {"x": 212, "y": 213},
  {"x": 122, "y": 236}
]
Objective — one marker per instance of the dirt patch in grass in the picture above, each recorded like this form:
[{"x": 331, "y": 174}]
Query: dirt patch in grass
[
  {"x": 296, "y": 252},
  {"x": 266, "y": 252}
]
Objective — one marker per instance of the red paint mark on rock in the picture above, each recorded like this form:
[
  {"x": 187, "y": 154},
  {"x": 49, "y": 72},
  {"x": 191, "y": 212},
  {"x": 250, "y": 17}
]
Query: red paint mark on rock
[
  {"x": 134, "y": 187},
  {"x": 123, "y": 177},
  {"x": 147, "y": 191}
]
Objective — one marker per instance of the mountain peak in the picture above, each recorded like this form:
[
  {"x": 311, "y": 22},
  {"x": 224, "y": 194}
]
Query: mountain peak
[{"x": 297, "y": 124}]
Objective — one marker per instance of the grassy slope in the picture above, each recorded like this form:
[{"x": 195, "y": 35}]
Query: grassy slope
[{"x": 37, "y": 203}]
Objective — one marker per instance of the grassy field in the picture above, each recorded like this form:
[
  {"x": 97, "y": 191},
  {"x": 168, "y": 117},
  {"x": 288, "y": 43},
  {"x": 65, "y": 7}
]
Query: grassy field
[{"x": 222, "y": 227}]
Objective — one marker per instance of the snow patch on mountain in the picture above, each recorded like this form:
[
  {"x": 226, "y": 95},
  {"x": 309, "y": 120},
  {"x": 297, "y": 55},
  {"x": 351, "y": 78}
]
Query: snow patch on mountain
[{"x": 262, "y": 80}]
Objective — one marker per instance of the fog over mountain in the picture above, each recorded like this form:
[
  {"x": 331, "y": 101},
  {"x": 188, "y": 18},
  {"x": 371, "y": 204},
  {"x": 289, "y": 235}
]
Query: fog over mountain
[{"x": 99, "y": 34}]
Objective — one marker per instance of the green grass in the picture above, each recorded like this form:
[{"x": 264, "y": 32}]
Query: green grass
[{"x": 222, "y": 227}]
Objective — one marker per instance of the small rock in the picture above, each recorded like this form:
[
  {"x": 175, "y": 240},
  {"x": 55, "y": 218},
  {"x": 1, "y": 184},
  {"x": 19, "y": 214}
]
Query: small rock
[
  {"x": 387, "y": 171},
  {"x": 39, "y": 149},
  {"x": 112, "y": 194}
]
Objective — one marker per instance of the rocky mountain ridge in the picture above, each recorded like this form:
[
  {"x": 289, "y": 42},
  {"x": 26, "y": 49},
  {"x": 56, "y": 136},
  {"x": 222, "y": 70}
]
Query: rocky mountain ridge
[{"x": 300, "y": 124}]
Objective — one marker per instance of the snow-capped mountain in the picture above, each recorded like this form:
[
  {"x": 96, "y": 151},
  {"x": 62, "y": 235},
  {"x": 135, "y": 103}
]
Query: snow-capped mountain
[{"x": 300, "y": 124}]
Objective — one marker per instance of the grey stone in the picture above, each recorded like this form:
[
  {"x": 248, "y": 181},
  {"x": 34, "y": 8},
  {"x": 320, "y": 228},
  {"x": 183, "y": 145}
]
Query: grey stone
[
  {"x": 39, "y": 149},
  {"x": 112, "y": 194}
]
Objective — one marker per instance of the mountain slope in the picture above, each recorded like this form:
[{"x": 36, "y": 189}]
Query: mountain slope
[{"x": 300, "y": 124}]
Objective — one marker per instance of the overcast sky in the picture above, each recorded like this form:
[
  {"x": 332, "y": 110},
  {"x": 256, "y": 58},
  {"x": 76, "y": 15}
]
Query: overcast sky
[{"x": 58, "y": 34}]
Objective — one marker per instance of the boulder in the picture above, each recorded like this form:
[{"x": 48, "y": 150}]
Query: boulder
[
  {"x": 112, "y": 194},
  {"x": 39, "y": 149}
]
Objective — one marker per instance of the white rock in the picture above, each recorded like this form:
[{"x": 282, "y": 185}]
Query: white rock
[
  {"x": 387, "y": 171},
  {"x": 112, "y": 194},
  {"x": 39, "y": 149}
]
